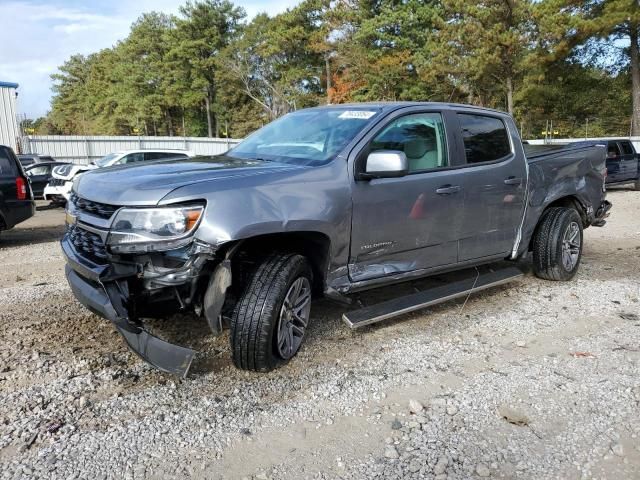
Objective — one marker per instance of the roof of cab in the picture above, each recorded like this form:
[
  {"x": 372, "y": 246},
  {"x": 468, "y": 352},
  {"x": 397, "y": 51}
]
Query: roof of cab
[{"x": 395, "y": 105}]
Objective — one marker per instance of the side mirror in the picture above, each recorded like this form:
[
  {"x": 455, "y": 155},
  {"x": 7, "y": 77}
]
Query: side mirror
[{"x": 386, "y": 164}]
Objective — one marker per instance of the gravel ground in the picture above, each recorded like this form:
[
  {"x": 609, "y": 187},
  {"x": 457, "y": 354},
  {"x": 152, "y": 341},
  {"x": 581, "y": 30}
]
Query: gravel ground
[{"x": 535, "y": 380}]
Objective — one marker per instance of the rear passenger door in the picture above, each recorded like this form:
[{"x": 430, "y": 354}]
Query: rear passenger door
[
  {"x": 615, "y": 167},
  {"x": 629, "y": 160},
  {"x": 494, "y": 186}
]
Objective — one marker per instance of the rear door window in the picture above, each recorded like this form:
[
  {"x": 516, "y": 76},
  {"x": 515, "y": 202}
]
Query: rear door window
[
  {"x": 486, "y": 138},
  {"x": 153, "y": 156},
  {"x": 627, "y": 148}
]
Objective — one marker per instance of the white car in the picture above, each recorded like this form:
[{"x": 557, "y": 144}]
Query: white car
[{"x": 58, "y": 190}]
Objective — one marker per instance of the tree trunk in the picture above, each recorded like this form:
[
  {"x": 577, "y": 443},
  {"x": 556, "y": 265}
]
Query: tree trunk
[
  {"x": 328, "y": 67},
  {"x": 635, "y": 80},
  {"x": 207, "y": 106},
  {"x": 510, "y": 95},
  {"x": 169, "y": 120}
]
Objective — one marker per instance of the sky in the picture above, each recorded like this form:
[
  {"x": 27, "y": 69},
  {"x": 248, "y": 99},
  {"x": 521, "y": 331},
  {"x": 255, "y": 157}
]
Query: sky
[{"x": 37, "y": 36}]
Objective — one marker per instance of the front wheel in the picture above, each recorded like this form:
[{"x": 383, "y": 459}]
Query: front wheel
[
  {"x": 270, "y": 319},
  {"x": 557, "y": 244}
]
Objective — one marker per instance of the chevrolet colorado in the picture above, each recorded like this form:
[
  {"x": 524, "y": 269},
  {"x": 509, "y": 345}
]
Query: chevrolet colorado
[{"x": 330, "y": 200}]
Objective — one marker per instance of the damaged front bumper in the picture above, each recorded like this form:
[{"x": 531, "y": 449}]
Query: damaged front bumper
[{"x": 104, "y": 289}]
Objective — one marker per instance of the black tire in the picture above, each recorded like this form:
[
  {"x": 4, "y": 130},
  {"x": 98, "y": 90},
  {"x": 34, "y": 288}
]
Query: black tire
[
  {"x": 550, "y": 245},
  {"x": 257, "y": 315},
  {"x": 636, "y": 185}
]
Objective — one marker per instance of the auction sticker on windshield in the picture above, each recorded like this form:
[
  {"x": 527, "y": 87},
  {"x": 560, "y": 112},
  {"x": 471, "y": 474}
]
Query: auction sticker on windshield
[{"x": 363, "y": 114}]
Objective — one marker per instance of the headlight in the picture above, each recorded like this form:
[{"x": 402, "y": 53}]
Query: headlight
[{"x": 153, "y": 229}]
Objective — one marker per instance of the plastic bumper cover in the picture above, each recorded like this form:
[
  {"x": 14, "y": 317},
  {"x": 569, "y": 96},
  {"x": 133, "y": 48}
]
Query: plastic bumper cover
[
  {"x": 99, "y": 289},
  {"x": 58, "y": 191}
]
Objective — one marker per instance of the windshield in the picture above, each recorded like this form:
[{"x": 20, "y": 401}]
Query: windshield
[
  {"x": 307, "y": 137},
  {"x": 104, "y": 161}
]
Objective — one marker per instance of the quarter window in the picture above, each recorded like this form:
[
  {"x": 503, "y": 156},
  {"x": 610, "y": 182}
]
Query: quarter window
[
  {"x": 485, "y": 138},
  {"x": 420, "y": 136}
]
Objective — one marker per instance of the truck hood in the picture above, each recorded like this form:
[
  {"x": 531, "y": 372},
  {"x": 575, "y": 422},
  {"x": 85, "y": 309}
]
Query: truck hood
[{"x": 147, "y": 184}]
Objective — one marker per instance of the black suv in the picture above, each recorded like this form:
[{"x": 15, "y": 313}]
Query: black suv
[{"x": 16, "y": 198}]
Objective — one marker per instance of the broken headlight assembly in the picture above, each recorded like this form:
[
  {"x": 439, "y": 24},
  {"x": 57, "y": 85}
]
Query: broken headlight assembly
[{"x": 142, "y": 230}]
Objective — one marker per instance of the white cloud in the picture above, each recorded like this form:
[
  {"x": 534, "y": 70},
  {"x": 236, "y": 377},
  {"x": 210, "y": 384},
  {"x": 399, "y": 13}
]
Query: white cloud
[{"x": 39, "y": 35}]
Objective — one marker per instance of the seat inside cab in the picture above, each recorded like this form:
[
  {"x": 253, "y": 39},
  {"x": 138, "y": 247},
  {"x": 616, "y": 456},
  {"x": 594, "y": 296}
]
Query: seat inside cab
[{"x": 418, "y": 137}]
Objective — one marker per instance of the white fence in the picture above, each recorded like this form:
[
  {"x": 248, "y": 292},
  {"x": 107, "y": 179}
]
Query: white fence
[
  {"x": 84, "y": 149},
  {"x": 634, "y": 140}
]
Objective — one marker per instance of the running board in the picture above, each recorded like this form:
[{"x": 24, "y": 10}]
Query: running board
[{"x": 431, "y": 296}]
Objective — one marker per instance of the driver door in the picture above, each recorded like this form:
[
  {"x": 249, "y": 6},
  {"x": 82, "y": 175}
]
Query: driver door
[{"x": 409, "y": 223}]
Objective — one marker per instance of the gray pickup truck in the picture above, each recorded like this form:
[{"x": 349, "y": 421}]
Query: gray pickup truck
[{"x": 325, "y": 201}]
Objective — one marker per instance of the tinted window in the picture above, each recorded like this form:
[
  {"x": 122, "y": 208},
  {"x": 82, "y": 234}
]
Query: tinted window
[
  {"x": 485, "y": 138},
  {"x": 627, "y": 148},
  {"x": 153, "y": 156},
  {"x": 161, "y": 155},
  {"x": 6, "y": 164},
  {"x": 420, "y": 136},
  {"x": 613, "y": 150}
]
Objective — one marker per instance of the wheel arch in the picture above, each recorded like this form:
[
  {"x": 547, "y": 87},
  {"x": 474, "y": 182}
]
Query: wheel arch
[
  {"x": 313, "y": 245},
  {"x": 567, "y": 201}
]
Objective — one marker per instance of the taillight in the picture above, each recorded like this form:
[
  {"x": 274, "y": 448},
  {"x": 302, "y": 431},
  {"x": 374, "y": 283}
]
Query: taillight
[{"x": 21, "y": 188}]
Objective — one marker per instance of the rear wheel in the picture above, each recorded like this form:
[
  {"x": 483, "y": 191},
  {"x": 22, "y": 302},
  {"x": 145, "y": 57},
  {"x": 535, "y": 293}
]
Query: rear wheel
[
  {"x": 557, "y": 244},
  {"x": 270, "y": 319}
]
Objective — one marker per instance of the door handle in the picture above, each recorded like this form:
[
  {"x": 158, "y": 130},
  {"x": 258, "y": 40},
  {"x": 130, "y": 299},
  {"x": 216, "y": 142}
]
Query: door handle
[
  {"x": 513, "y": 181},
  {"x": 448, "y": 189}
]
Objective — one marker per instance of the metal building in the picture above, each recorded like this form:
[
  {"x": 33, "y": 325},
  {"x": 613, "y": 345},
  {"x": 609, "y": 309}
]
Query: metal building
[{"x": 9, "y": 132}]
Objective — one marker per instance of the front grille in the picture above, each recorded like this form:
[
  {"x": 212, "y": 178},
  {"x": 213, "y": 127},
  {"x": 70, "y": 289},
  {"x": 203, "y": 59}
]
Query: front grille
[
  {"x": 88, "y": 244},
  {"x": 101, "y": 210},
  {"x": 56, "y": 182}
]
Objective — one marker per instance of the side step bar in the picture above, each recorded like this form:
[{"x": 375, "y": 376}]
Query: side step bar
[{"x": 431, "y": 296}]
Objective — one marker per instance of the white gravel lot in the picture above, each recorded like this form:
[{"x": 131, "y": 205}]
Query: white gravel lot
[{"x": 534, "y": 380}]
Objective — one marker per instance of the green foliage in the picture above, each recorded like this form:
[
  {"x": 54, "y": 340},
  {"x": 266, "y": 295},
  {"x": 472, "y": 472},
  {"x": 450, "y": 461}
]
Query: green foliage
[{"x": 209, "y": 71}]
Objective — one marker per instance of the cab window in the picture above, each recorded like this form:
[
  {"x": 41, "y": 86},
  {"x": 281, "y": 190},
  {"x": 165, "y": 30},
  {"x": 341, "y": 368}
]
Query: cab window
[
  {"x": 613, "y": 150},
  {"x": 627, "y": 148},
  {"x": 132, "y": 158},
  {"x": 486, "y": 139},
  {"x": 420, "y": 136},
  {"x": 40, "y": 170}
]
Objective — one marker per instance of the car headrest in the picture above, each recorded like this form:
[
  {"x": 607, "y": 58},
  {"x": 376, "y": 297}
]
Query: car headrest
[{"x": 416, "y": 148}]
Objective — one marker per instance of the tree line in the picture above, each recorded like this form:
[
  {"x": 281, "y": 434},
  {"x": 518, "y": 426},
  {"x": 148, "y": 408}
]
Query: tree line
[{"x": 210, "y": 71}]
